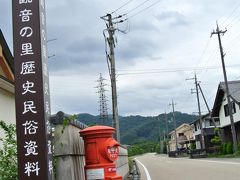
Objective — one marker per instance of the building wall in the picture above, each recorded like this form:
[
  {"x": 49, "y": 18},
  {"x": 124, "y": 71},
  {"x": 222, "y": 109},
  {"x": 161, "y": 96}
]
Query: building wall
[
  {"x": 186, "y": 130},
  {"x": 225, "y": 121},
  {"x": 7, "y": 108}
]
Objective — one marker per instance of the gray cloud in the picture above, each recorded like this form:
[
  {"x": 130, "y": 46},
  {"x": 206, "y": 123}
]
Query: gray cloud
[
  {"x": 173, "y": 18},
  {"x": 161, "y": 38}
]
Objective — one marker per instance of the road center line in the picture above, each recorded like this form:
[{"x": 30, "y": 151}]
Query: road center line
[{"x": 145, "y": 169}]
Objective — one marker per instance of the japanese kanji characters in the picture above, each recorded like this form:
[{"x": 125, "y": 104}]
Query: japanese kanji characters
[
  {"x": 28, "y": 68},
  {"x": 32, "y": 168},
  {"x": 32, "y": 96},
  {"x": 25, "y": 1},
  {"x": 30, "y": 127},
  {"x": 29, "y": 107},
  {"x": 25, "y": 14},
  {"x": 27, "y": 49},
  {"x": 31, "y": 148},
  {"x": 28, "y": 87}
]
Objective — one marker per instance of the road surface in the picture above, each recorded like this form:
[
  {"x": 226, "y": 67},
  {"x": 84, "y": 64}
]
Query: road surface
[{"x": 160, "y": 167}]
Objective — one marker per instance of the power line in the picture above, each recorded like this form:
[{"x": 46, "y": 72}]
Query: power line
[
  {"x": 122, "y": 6},
  {"x": 153, "y": 71},
  {"x": 145, "y": 9},
  {"x": 233, "y": 11},
  {"x": 133, "y": 9}
]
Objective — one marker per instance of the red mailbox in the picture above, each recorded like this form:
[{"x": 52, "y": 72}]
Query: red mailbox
[{"x": 101, "y": 150}]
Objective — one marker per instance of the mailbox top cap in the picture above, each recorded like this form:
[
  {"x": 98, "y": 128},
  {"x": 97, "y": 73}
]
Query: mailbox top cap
[{"x": 97, "y": 130}]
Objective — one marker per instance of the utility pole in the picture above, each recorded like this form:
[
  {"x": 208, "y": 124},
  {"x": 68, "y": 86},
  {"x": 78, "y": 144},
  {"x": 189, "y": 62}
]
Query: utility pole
[
  {"x": 166, "y": 126},
  {"x": 210, "y": 113},
  {"x": 103, "y": 116},
  {"x": 199, "y": 108},
  {"x": 111, "y": 59},
  {"x": 166, "y": 123},
  {"x": 234, "y": 137},
  {"x": 174, "y": 124},
  {"x": 160, "y": 137}
]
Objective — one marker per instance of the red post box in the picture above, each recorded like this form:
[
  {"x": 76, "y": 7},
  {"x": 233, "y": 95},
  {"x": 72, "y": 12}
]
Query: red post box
[{"x": 101, "y": 150}]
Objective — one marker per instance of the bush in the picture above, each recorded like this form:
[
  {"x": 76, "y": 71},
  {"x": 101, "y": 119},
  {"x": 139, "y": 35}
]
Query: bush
[
  {"x": 143, "y": 147},
  {"x": 223, "y": 148},
  {"x": 216, "y": 140},
  {"x": 8, "y": 153},
  {"x": 229, "y": 148}
]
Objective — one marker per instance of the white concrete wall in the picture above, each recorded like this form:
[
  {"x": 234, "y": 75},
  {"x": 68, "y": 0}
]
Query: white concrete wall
[
  {"x": 224, "y": 121},
  {"x": 7, "y": 109}
]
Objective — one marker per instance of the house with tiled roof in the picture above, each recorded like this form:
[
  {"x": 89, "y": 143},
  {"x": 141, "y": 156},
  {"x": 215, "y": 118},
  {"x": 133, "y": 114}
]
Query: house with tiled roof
[
  {"x": 184, "y": 135},
  {"x": 208, "y": 126},
  {"x": 7, "y": 97},
  {"x": 220, "y": 109}
]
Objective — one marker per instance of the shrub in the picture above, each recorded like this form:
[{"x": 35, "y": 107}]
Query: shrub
[
  {"x": 8, "y": 153},
  {"x": 216, "y": 140},
  {"x": 229, "y": 148},
  {"x": 223, "y": 148}
]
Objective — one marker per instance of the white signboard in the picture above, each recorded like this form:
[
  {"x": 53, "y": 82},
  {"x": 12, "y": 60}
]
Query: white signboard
[{"x": 93, "y": 174}]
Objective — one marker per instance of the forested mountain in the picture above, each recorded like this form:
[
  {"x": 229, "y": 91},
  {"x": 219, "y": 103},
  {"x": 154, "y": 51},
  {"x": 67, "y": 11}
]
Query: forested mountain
[{"x": 135, "y": 129}]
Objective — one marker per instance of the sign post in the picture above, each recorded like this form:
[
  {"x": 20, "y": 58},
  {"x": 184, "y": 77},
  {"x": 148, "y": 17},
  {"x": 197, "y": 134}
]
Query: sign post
[{"x": 32, "y": 90}]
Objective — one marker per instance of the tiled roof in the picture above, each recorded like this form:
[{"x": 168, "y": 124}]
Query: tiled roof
[
  {"x": 6, "y": 51},
  {"x": 234, "y": 91}
]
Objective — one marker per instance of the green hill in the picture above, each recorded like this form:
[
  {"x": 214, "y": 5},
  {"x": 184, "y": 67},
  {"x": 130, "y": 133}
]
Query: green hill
[{"x": 134, "y": 129}]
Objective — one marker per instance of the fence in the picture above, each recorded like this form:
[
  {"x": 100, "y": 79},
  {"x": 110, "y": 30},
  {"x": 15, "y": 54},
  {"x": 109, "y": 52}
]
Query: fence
[{"x": 69, "y": 150}]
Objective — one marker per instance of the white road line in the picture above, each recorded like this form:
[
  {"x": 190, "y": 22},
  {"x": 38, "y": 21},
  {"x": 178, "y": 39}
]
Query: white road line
[
  {"x": 145, "y": 169},
  {"x": 212, "y": 161}
]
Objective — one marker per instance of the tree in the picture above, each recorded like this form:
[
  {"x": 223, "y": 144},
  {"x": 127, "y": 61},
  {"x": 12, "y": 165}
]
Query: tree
[{"x": 8, "y": 152}]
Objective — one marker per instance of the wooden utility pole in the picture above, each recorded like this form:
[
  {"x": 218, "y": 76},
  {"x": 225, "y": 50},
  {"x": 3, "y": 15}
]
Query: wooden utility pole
[
  {"x": 111, "y": 58},
  {"x": 174, "y": 124},
  {"x": 210, "y": 113},
  {"x": 199, "y": 113},
  {"x": 234, "y": 137},
  {"x": 166, "y": 124},
  {"x": 199, "y": 108}
]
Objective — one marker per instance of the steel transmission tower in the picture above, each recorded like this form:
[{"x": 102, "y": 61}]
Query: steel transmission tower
[{"x": 103, "y": 109}]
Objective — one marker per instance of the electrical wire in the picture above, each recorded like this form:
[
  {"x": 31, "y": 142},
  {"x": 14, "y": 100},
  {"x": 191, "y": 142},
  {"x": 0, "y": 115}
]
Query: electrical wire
[
  {"x": 157, "y": 71},
  {"x": 106, "y": 52},
  {"x": 122, "y": 6},
  {"x": 145, "y": 9},
  {"x": 233, "y": 11},
  {"x": 133, "y": 9}
]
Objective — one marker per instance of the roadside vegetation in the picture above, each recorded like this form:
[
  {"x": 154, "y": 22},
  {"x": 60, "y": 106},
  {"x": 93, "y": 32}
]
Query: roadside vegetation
[
  {"x": 8, "y": 152},
  {"x": 146, "y": 147}
]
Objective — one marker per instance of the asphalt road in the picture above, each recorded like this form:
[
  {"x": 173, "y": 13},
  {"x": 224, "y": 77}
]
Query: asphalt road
[{"x": 160, "y": 167}]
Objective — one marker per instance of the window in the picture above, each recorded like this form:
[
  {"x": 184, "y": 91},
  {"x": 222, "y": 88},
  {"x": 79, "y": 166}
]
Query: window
[
  {"x": 226, "y": 109},
  {"x": 180, "y": 134}
]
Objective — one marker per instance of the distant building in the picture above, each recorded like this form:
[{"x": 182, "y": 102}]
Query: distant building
[
  {"x": 208, "y": 125},
  {"x": 220, "y": 109},
  {"x": 7, "y": 97},
  {"x": 184, "y": 137}
]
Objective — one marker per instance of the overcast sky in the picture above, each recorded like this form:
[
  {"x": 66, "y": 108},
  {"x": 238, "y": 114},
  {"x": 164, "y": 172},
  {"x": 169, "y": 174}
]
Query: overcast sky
[{"x": 163, "y": 46}]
